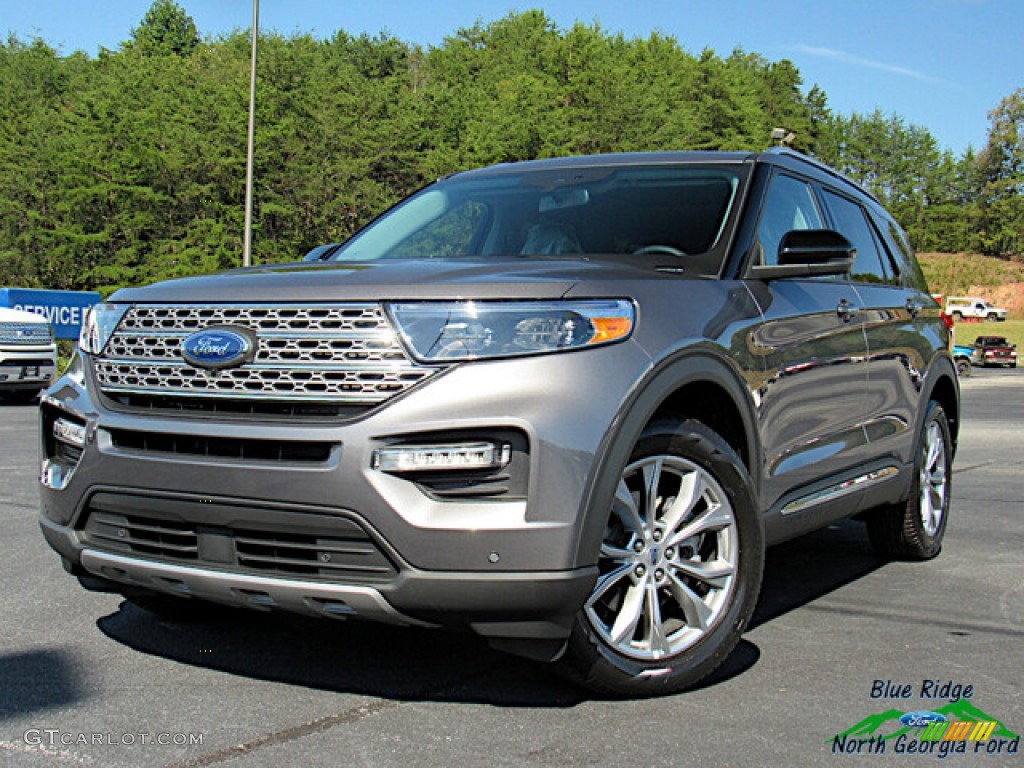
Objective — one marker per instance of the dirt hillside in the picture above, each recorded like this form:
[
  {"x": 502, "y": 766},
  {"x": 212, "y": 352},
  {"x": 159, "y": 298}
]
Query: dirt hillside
[{"x": 1010, "y": 296}]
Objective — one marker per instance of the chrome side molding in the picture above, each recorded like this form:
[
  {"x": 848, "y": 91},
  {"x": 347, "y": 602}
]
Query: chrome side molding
[{"x": 839, "y": 490}]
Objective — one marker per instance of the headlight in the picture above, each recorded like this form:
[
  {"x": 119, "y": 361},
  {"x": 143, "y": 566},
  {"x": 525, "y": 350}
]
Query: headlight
[
  {"x": 471, "y": 330},
  {"x": 99, "y": 326}
]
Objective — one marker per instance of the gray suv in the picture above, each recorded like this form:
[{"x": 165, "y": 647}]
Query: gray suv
[{"x": 565, "y": 404}]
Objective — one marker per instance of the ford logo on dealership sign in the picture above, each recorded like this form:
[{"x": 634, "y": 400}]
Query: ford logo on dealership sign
[
  {"x": 219, "y": 347},
  {"x": 922, "y": 718}
]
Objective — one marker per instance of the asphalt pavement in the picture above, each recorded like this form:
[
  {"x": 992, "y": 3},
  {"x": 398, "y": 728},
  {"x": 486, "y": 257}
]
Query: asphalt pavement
[{"x": 842, "y": 645}]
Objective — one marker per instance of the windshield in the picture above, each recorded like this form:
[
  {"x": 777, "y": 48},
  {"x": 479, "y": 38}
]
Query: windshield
[{"x": 672, "y": 211}]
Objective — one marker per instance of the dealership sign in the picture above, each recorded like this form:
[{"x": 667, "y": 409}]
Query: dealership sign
[{"x": 65, "y": 310}]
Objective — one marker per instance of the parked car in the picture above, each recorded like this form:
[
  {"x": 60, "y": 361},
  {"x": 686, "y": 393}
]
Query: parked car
[
  {"x": 963, "y": 356},
  {"x": 995, "y": 350},
  {"x": 960, "y": 307},
  {"x": 28, "y": 355},
  {"x": 564, "y": 403}
]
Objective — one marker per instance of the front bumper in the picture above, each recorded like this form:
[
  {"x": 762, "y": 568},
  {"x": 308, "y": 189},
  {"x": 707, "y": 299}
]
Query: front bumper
[
  {"x": 999, "y": 358},
  {"x": 505, "y": 564},
  {"x": 28, "y": 367},
  {"x": 531, "y": 606}
]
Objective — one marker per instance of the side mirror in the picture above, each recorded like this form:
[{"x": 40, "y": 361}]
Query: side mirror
[
  {"x": 809, "y": 253},
  {"x": 815, "y": 246}
]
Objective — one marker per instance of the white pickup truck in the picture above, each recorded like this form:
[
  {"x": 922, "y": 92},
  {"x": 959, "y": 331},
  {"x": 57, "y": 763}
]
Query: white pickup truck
[
  {"x": 28, "y": 354},
  {"x": 959, "y": 307}
]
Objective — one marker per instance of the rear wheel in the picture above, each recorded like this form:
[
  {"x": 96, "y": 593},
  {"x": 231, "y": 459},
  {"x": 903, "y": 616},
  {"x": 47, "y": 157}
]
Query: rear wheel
[
  {"x": 680, "y": 567},
  {"x": 963, "y": 367},
  {"x": 914, "y": 530}
]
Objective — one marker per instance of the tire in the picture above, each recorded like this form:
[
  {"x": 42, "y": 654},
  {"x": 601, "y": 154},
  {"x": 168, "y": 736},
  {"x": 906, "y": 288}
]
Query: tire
[
  {"x": 992, "y": 317},
  {"x": 914, "y": 530},
  {"x": 963, "y": 367},
  {"x": 958, "y": 316},
  {"x": 702, "y": 561}
]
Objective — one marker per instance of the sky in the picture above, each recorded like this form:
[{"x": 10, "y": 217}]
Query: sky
[{"x": 940, "y": 64}]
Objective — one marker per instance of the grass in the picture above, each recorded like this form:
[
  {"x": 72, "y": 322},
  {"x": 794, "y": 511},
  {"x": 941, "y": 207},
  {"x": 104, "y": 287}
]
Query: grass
[
  {"x": 954, "y": 274},
  {"x": 966, "y": 333}
]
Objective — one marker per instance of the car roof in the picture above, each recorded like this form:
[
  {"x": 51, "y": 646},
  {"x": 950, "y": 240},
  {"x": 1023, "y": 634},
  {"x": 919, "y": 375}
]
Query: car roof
[
  {"x": 779, "y": 156},
  {"x": 611, "y": 160}
]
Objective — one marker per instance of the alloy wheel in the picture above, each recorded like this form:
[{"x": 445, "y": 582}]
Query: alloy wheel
[
  {"x": 933, "y": 480},
  {"x": 669, "y": 560}
]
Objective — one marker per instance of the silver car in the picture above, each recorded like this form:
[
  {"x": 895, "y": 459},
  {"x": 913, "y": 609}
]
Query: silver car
[{"x": 564, "y": 403}]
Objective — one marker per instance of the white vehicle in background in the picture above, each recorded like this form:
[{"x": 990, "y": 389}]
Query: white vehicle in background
[
  {"x": 959, "y": 307},
  {"x": 28, "y": 354}
]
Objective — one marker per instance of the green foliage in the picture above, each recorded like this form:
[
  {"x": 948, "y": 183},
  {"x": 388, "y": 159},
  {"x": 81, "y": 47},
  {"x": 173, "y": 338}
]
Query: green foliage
[
  {"x": 926, "y": 189},
  {"x": 957, "y": 274},
  {"x": 129, "y": 167},
  {"x": 165, "y": 29},
  {"x": 1001, "y": 172}
]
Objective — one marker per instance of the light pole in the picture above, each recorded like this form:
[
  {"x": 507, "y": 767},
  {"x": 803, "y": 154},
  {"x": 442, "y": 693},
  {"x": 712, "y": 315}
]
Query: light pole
[{"x": 247, "y": 241}]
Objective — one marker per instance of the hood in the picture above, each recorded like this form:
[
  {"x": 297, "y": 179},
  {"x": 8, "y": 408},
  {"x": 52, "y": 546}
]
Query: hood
[
  {"x": 516, "y": 278},
  {"x": 20, "y": 316}
]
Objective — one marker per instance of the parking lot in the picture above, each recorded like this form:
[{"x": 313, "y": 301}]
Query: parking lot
[{"x": 839, "y": 640}]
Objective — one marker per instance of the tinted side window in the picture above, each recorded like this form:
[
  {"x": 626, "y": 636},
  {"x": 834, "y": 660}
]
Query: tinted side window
[
  {"x": 789, "y": 205},
  {"x": 852, "y": 221},
  {"x": 911, "y": 275}
]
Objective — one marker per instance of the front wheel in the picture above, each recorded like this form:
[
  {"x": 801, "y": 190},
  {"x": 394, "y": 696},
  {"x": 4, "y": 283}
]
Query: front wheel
[
  {"x": 679, "y": 568},
  {"x": 914, "y": 530}
]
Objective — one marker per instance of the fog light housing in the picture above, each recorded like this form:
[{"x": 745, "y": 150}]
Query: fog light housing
[{"x": 441, "y": 458}]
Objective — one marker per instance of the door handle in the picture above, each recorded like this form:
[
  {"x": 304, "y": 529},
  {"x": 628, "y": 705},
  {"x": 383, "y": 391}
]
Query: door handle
[{"x": 846, "y": 311}]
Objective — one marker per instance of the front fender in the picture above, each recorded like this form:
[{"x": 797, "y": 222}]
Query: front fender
[{"x": 695, "y": 365}]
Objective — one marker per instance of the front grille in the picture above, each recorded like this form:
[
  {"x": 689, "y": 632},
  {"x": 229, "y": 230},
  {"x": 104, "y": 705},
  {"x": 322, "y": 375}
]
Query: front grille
[
  {"x": 272, "y": 408},
  {"x": 28, "y": 334},
  {"x": 246, "y": 449},
  {"x": 272, "y": 542},
  {"x": 338, "y": 354},
  {"x": 32, "y": 362},
  {"x": 312, "y": 556},
  {"x": 169, "y": 540}
]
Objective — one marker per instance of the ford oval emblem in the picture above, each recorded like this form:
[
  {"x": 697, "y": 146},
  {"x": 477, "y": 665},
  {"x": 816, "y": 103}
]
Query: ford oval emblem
[
  {"x": 219, "y": 347},
  {"x": 922, "y": 718}
]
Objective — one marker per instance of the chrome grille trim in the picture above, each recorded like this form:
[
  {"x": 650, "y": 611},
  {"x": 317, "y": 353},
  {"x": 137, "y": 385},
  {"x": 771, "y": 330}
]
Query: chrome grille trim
[
  {"x": 336, "y": 353},
  {"x": 28, "y": 334}
]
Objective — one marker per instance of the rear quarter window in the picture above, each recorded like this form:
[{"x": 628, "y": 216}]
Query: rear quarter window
[{"x": 910, "y": 274}]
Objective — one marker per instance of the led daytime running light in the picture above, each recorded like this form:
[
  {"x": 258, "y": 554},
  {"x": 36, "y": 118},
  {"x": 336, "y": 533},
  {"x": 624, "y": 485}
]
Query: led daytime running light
[
  {"x": 454, "y": 456},
  {"x": 69, "y": 432}
]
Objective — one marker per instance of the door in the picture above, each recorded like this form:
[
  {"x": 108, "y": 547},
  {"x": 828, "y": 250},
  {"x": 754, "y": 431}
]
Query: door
[
  {"x": 812, "y": 343},
  {"x": 895, "y": 312}
]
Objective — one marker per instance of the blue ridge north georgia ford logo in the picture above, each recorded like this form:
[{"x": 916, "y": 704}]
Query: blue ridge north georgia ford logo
[{"x": 219, "y": 347}]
